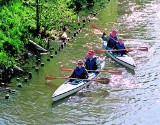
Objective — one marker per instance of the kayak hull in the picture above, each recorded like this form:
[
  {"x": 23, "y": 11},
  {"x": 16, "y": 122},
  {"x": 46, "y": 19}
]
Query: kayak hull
[
  {"x": 124, "y": 60},
  {"x": 68, "y": 88}
]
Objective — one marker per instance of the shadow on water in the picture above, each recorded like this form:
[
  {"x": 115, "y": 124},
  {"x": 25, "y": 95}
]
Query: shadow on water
[
  {"x": 95, "y": 91},
  {"x": 63, "y": 100},
  {"x": 132, "y": 71},
  {"x": 57, "y": 103},
  {"x": 80, "y": 94}
]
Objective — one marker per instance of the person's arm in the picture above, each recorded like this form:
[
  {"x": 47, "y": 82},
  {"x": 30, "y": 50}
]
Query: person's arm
[
  {"x": 109, "y": 42},
  {"x": 115, "y": 47},
  {"x": 116, "y": 39},
  {"x": 106, "y": 38},
  {"x": 116, "y": 42},
  {"x": 102, "y": 36},
  {"x": 86, "y": 74},
  {"x": 85, "y": 62},
  {"x": 73, "y": 75},
  {"x": 98, "y": 63},
  {"x": 125, "y": 51}
]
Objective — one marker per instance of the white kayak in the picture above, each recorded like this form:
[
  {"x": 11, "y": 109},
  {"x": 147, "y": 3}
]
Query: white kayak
[
  {"x": 69, "y": 88},
  {"x": 125, "y": 60}
]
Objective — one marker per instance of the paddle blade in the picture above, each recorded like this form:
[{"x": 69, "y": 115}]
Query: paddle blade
[
  {"x": 130, "y": 50},
  {"x": 103, "y": 80},
  {"x": 143, "y": 48},
  {"x": 99, "y": 51},
  {"x": 140, "y": 48},
  {"x": 93, "y": 25},
  {"x": 66, "y": 70},
  {"x": 115, "y": 72},
  {"x": 49, "y": 77}
]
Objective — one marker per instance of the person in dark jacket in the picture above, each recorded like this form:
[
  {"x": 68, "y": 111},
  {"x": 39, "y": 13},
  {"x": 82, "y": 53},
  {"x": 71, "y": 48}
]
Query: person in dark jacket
[
  {"x": 112, "y": 39},
  {"x": 79, "y": 72},
  {"x": 91, "y": 63},
  {"x": 105, "y": 37},
  {"x": 120, "y": 46}
]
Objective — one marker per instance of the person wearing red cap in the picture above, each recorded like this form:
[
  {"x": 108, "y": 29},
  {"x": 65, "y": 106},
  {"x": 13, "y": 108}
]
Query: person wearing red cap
[
  {"x": 111, "y": 39},
  {"x": 91, "y": 62},
  {"x": 79, "y": 72},
  {"x": 105, "y": 37}
]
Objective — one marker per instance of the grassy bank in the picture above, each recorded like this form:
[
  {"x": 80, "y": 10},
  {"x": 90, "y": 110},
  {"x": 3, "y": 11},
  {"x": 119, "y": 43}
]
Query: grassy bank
[{"x": 20, "y": 24}]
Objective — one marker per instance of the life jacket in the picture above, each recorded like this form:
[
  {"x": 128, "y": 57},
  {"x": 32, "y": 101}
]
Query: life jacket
[
  {"x": 79, "y": 72},
  {"x": 91, "y": 64},
  {"x": 112, "y": 41},
  {"x": 120, "y": 46}
]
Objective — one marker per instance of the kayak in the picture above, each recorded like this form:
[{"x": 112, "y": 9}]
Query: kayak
[
  {"x": 124, "y": 60},
  {"x": 68, "y": 88}
]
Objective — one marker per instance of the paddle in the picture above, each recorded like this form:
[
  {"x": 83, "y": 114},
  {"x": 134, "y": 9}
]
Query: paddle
[
  {"x": 115, "y": 72},
  {"x": 100, "y": 80},
  {"x": 93, "y": 25},
  {"x": 114, "y": 50}
]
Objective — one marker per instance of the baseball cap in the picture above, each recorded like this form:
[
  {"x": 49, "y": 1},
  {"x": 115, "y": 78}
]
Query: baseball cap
[{"x": 91, "y": 52}]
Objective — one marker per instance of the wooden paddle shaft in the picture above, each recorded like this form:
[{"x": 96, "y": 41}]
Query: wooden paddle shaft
[{"x": 101, "y": 80}]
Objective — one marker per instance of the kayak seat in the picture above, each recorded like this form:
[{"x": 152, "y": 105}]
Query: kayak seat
[{"x": 75, "y": 82}]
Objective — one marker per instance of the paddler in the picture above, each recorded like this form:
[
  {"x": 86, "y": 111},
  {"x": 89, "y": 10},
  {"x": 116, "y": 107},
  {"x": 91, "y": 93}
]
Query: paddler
[
  {"x": 91, "y": 61},
  {"x": 111, "y": 39},
  {"x": 79, "y": 72},
  {"x": 120, "y": 46}
]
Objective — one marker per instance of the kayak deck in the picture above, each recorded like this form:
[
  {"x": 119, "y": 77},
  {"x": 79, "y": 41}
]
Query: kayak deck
[{"x": 68, "y": 88}]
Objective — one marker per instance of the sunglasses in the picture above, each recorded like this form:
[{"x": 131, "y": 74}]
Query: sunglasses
[{"x": 80, "y": 63}]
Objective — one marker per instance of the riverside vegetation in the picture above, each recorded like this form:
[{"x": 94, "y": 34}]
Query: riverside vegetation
[{"x": 42, "y": 21}]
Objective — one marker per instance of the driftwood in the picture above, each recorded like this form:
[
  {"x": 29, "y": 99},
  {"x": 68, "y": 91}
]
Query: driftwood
[
  {"x": 63, "y": 36},
  {"x": 36, "y": 48}
]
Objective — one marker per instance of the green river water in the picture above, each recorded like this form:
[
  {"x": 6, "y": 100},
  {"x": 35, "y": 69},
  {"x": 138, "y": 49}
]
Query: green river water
[{"x": 130, "y": 99}]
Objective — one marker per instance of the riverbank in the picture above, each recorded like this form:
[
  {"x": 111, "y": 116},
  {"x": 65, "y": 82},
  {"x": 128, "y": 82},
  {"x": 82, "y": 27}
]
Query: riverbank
[
  {"x": 59, "y": 55},
  {"x": 47, "y": 39}
]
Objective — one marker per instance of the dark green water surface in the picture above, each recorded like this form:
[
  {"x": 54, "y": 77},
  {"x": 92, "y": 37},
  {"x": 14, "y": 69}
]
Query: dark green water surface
[{"x": 130, "y": 99}]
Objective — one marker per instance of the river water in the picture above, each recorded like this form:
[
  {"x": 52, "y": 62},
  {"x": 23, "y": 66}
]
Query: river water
[{"x": 129, "y": 99}]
